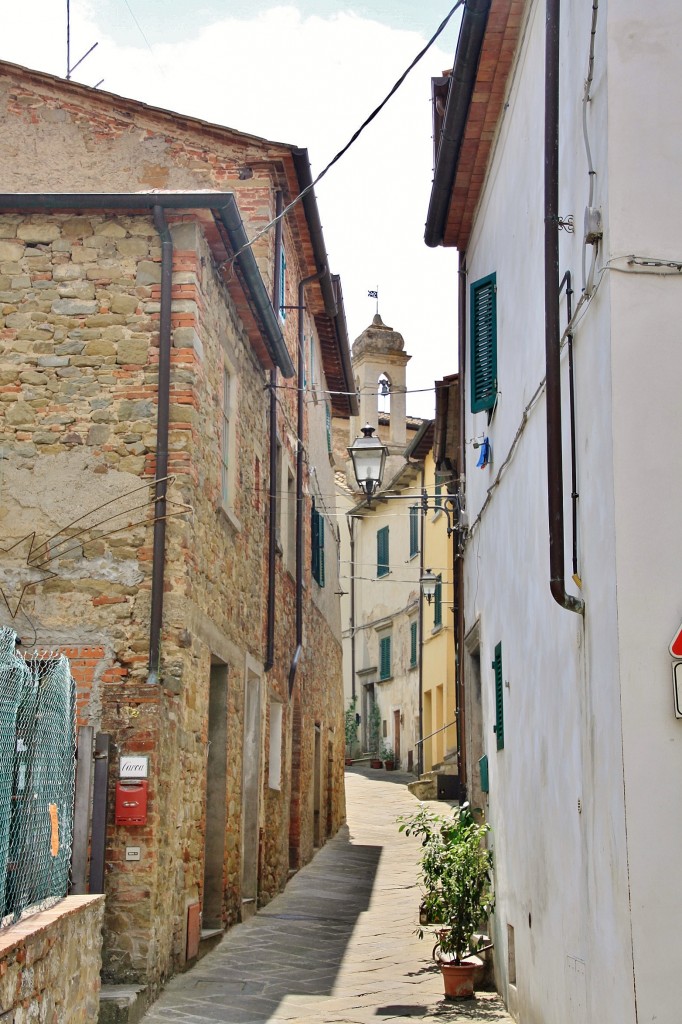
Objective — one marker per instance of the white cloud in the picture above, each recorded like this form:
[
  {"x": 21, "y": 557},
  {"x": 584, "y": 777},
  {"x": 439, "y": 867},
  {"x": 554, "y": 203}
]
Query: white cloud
[{"x": 309, "y": 81}]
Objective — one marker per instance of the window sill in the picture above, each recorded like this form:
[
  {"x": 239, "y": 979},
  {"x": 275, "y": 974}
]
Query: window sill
[
  {"x": 413, "y": 555},
  {"x": 385, "y": 679},
  {"x": 437, "y": 629},
  {"x": 228, "y": 517}
]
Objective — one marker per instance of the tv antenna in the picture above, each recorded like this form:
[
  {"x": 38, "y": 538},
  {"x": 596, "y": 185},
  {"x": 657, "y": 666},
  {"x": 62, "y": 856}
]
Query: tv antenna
[{"x": 69, "y": 67}]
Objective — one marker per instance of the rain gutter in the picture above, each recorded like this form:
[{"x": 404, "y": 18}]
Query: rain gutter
[{"x": 462, "y": 82}]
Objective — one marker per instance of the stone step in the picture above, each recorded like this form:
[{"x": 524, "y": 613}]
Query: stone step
[{"x": 122, "y": 1004}]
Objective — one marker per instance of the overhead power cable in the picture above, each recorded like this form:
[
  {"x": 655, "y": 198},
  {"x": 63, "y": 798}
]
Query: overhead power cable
[{"x": 356, "y": 135}]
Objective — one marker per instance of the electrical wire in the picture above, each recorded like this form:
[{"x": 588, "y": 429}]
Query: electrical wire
[{"x": 377, "y": 110}]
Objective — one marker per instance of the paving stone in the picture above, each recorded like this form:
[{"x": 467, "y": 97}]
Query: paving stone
[{"x": 338, "y": 945}]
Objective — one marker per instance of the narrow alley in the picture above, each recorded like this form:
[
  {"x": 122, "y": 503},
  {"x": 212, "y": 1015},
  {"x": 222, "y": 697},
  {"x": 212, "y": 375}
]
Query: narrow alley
[{"x": 338, "y": 945}]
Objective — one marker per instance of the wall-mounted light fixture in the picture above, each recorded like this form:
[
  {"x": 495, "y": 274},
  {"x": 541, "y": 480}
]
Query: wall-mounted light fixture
[
  {"x": 369, "y": 459},
  {"x": 429, "y": 581},
  {"x": 449, "y": 504}
]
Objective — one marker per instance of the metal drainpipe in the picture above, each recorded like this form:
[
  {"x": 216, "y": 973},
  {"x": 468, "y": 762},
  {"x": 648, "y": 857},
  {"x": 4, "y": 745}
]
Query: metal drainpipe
[
  {"x": 351, "y": 530},
  {"x": 420, "y": 744},
  {"x": 299, "y": 476},
  {"x": 571, "y": 416},
  {"x": 458, "y": 566},
  {"x": 274, "y": 497},
  {"x": 162, "y": 421},
  {"x": 555, "y": 486}
]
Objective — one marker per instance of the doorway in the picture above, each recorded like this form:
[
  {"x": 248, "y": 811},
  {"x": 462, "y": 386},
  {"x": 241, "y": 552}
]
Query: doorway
[
  {"x": 396, "y": 736},
  {"x": 216, "y": 798},
  {"x": 250, "y": 793},
  {"x": 317, "y": 786}
]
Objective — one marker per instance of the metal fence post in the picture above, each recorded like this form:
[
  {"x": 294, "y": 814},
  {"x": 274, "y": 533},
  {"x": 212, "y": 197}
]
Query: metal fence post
[
  {"x": 81, "y": 818},
  {"x": 99, "y": 812}
]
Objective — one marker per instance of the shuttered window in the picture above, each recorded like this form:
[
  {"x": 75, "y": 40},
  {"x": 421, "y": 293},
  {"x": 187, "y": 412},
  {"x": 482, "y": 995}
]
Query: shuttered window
[
  {"x": 385, "y": 657},
  {"x": 282, "y": 285},
  {"x": 483, "y": 343},
  {"x": 317, "y": 546},
  {"x": 414, "y": 531},
  {"x": 499, "y": 694},
  {"x": 438, "y": 500},
  {"x": 328, "y": 416},
  {"x": 438, "y": 605},
  {"x": 382, "y": 551},
  {"x": 413, "y": 644}
]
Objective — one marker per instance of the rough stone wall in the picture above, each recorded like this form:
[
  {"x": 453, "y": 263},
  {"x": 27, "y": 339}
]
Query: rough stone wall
[
  {"x": 50, "y": 964},
  {"x": 78, "y": 367}
]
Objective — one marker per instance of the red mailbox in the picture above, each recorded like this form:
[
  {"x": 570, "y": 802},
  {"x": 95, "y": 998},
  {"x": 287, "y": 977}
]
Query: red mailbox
[{"x": 131, "y": 803}]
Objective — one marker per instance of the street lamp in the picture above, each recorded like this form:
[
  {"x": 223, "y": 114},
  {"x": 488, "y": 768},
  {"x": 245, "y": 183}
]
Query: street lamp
[
  {"x": 369, "y": 458},
  {"x": 429, "y": 581}
]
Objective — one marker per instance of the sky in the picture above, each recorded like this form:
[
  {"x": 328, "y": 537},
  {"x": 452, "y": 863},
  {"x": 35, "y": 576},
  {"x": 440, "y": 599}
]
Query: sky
[{"x": 306, "y": 73}]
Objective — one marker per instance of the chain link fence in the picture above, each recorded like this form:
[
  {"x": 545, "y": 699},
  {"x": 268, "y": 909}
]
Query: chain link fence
[{"x": 37, "y": 775}]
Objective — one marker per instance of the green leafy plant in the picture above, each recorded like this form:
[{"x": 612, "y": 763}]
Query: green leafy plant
[
  {"x": 374, "y": 729},
  {"x": 351, "y": 725},
  {"x": 455, "y": 876},
  {"x": 387, "y": 753}
]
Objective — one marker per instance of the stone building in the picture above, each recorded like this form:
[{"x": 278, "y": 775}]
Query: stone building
[{"x": 158, "y": 444}]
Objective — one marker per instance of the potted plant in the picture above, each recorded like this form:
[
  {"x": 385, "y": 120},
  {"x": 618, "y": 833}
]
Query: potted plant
[
  {"x": 455, "y": 870},
  {"x": 388, "y": 757},
  {"x": 351, "y": 724},
  {"x": 375, "y": 736}
]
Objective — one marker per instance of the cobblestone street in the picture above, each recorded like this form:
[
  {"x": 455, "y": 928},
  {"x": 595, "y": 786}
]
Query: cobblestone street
[{"x": 338, "y": 946}]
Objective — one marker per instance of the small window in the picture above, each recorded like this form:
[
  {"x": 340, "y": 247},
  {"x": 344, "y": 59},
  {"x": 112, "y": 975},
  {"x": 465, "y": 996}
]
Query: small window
[
  {"x": 438, "y": 604},
  {"x": 483, "y": 343},
  {"x": 317, "y": 546},
  {"x": 282, "y": 284},
  {"x": 290, "y": 556},
  {"x": 438, "y": 500},
  {"x": 414, "y": 530},
  {"x": 328, "y": 417},
  {"x": 413, "y": 643},
  {"x": 225, "y": 439},
  {"x": 499, "y": 695},
  {"x": 275, "y": 753},
  {"x": 385, "y": 657},
  {"x": 382, "y": 552}
]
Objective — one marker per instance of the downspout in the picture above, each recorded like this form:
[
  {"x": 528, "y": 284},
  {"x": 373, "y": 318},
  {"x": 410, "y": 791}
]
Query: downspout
[
  {"x": 162, "y": 421},
  {"x": 555, "y": 486},
  {"x": 351, "y": 530},
  {"x": 458, "y": 560},
  {"x": 299, "y": 476},
  {"x": 274, "y": 497},
  {"x": 571, "y": 418},
  {"x": 420, "y": 682}
]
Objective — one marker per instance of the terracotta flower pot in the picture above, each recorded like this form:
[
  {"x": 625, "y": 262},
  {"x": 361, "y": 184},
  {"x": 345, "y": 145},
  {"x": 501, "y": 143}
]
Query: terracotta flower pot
[
  {"x": 458, "y": 979},
  {"x": 389, "y": 766},
  {"x": 376, "y": 763},
  {"x": 349, "y": 761}
]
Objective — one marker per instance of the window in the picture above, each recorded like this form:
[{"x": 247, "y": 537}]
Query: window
[
  {"x": 328, "y": 417},
  {"x": 414, "y": 626},
  {"x": 312, "y": 361},
  {"x": 438, "y": 500},
  {"x": 414, "y": 530},
  {"x": 275, "y": 752},
  {"x": 317, "y": 545},
  {"x": 225, "y": 439},
  {"x": 499, "y": 694},
  {"x": 385, "y": 657},
  {"x": 483, "y": 343},
  {"x": 282, "y": 284},
  {"x": 382, "y": 552},
  {"x": 438, "y": 605},
  {"x": 290, "y": 555}
]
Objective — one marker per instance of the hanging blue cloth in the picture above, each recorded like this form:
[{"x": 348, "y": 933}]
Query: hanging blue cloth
[{"x": 484, "y": 454}]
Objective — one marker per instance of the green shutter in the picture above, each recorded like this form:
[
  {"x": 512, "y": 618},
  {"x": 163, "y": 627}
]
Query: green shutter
[
  {"x": 382, "y": 552},
  {"x": 385, "y": 657},
  {"x": 499, "y": 694},
  {"x": 282, "y": 285},
  {"x": 328, "y": 414},
  {"x": 438, "y": 604},
  {"x": 438, "y": 502},
  {"x": 483, "y": 343},
  {"x": 414, "y": 530},
  {"x": 317, "y": 546},
  {"x": 413, "y": 643}
]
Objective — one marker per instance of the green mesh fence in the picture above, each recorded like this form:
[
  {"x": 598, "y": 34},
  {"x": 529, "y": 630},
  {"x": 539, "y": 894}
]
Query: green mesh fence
[{"x": 37, "y": 774}]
